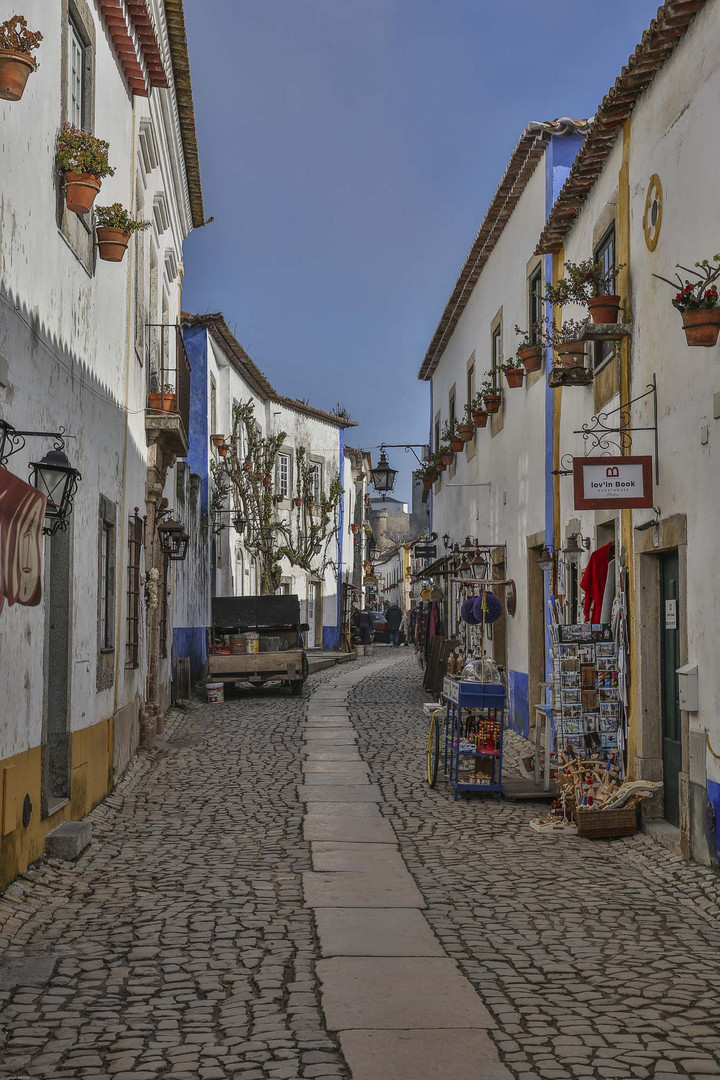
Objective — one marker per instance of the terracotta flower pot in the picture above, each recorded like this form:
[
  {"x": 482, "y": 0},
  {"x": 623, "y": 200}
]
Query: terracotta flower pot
[
  {"x": 515, "y": 377},
  {"x": 217, "y": 440},
  {"x": 456, "y": 443},
  {"x": 354, "y": 528},
  {"x": 530, "y": 358},
  {"x": 466, "y": 432},
  {"x": 441, "y": 465},
  {"x": 15, "y": 70},
  {"x": 492, "y": 402},
  {"x": 448, "y": 457},
  {"x": 164, "y": 402},
  {"x": 604, "y": 309},
  {"x": 222, "y": 451},
  {"x": 480, "y": 418},
  {"x": 571, "y": 354},
  {"x": 298, "y": 502},
  {"x": 112, "y": 243},
  {"x": 702, "y": 327},
  {"x": 80, "y": 191},
  {"x": 427, "y": 484}
]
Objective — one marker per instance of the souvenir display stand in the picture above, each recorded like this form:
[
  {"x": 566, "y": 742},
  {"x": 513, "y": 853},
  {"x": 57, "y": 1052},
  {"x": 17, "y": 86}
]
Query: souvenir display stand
[{"x": 474, "y": 722}]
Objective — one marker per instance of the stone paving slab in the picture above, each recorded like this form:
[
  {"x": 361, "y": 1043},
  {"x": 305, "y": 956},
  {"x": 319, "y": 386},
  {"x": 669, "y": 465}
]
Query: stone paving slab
[
  {"x": 323, "y": 824},
  {"x": 340, "y": 794},
  {"x": 375, "y": 932},
  {"x": 330, "y": 767},
  {"x": 336, "y": 778},
  {"x": 384, "y": 992},
  {"x": 329, "y": 722},
  {"x": 343, "y": 858},
  {"x": 334, "y": 735},
  {"x": 318, "y": 752},
  {"x": 383, "y": 887},
  {"x": 464, "y": 1054}
]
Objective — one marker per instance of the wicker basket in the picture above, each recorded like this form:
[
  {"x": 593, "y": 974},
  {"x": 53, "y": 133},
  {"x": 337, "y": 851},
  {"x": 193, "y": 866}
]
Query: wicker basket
[{"x": 599, "y": 824}]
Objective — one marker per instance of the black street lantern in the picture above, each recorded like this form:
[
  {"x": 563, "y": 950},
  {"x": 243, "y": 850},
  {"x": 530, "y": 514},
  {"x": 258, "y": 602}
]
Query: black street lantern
[
  {"x": 55, "y": 477},
  {"x": 238, "y": 523},
  {"x": 383, "y": 477},
  {"x": 173, "y": 540}
]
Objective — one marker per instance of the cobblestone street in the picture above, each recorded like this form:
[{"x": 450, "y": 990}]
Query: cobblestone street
[{"x": 181, "y": 945}]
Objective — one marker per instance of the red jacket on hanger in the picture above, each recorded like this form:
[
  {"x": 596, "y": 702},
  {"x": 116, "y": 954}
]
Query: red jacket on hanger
[{"x": 593, "y": 581}]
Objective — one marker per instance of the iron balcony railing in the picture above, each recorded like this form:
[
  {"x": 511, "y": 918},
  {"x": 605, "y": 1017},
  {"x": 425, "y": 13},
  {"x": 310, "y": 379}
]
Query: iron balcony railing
[{"x": 168, "y": 370}]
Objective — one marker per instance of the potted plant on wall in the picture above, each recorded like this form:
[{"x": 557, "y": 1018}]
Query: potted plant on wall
[
  {"x": 17, "y": 44},
  {"x": 514, "y": 372},
  {"x": 162, "y": 400},
  {"x": 697, "y": 302},
  {"x": 114, "y": 227},
  {"x": 451, "y": 435},
  {"x": 532, "y": 343},
  {"x": 466, "y": 427},
  {"x": 428, "y": 474},
  {"x": 442, "y": 457},
  {"x": 491, "y": 394},
  {"x": 590, "y": 284},
  {"x": 84, "y": 160},
  {"x": 569, "y": 350},
  {"x": 478, "y": 411}
]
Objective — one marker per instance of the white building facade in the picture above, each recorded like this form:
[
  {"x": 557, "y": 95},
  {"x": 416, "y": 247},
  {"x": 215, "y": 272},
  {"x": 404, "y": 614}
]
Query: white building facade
[{"x": 79, "y": 668}]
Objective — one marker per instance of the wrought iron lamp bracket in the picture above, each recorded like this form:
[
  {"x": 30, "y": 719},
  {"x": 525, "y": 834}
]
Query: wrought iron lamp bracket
[{"x": 613, "y": 430}]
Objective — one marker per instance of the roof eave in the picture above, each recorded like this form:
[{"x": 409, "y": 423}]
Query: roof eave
[{"x": 177, "y": 38}]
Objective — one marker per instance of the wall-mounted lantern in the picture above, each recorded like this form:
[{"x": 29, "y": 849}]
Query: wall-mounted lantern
[{"x": 173, "y": 540}]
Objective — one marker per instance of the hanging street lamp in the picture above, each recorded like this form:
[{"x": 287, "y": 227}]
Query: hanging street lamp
[
  {"x": 383, "y": 476},
  {"x": 55, "y": 477},
  {"x": 173, "y": 540}
]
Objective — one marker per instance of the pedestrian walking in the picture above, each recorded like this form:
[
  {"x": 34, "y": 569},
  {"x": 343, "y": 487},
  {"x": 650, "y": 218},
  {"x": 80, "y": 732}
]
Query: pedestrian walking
[
  {"x": 393, "y": 618},
  {"x": 364, "y": 625}
]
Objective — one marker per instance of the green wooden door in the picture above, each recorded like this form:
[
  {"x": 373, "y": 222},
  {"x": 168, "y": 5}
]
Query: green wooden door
[{"x": 670, "y": 662}]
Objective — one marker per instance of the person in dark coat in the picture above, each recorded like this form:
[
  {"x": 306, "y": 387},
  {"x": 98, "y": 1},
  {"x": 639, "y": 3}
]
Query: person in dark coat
[
  {"x": 364, "y": 624},
  {"x": 393, "y": 618}
]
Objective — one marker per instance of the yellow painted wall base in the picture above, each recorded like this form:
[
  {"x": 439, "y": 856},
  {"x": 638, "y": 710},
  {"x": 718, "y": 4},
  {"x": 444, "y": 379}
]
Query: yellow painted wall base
[{"x": 90, "y": 781}]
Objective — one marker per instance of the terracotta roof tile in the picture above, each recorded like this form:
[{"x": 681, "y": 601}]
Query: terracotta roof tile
[
  {"x": 175, "y": 19},
  {"x": 658, "y": 43},
  {"x": 252, "y": 373},
  {"x": 522, "y": 164}
]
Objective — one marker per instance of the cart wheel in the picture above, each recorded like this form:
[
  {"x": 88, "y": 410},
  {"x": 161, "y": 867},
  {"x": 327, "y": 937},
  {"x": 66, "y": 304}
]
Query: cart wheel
[{"x": 433, "y": 750}]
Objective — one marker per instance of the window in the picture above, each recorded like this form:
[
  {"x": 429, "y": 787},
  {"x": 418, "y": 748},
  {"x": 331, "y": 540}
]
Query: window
[
  {"x": 282, "y": 477},
  {"x": 451, "y": 408},
  {"x": 470, "y": 383},
  {"x": 436, "y": 438},
  {"x": 135, "y": 540},
  {"x": 213, "y": 408},
  {"x": 604, "y": 255},
  {"x": 316, "y": 475},
  {"x": 535, "y": 304},
  {"x": 496, "y": 356},
  {"x": 76, "y": 77},
  {"x": 105, "y": 586}
]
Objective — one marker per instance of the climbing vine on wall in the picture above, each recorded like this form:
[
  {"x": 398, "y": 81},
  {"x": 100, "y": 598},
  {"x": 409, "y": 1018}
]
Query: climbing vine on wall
[
  {"x": 312, "y": 524},
  {"x": 305, "y": 531}
]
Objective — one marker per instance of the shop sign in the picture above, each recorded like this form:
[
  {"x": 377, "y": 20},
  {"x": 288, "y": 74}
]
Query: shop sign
[
  {"x": 671, "y": 614},
  {"x": 22, "y": 513},
  {"x": 370, "y": 579},
  {"x": 620, "y": 483},
  {"x": 427, "y": 551}
]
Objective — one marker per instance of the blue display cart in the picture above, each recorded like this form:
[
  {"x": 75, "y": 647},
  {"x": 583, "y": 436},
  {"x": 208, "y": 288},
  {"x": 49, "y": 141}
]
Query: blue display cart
[{"x": 474, "y": 727}]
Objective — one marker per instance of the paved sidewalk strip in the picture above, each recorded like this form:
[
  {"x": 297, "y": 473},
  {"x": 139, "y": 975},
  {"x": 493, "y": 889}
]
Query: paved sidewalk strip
[{"x": 393, "y": 975}]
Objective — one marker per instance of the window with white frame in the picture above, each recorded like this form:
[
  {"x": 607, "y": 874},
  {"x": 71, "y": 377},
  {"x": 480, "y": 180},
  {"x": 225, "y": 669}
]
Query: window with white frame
[
  {"x": 76, "y": 76},
  {"x": 316, "y": 477},
  {"x": 282, "y": 479}
]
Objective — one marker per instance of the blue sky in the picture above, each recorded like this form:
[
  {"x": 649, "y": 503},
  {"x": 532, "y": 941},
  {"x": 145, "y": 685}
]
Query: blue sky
[{"x": 349, "y": 150}]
